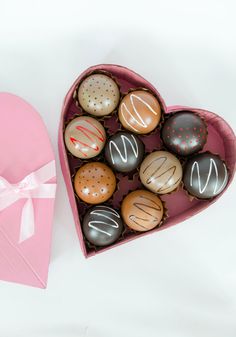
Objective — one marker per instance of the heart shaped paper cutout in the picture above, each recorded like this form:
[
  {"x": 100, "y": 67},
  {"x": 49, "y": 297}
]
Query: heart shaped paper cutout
[{"x": 221, "y": 140}]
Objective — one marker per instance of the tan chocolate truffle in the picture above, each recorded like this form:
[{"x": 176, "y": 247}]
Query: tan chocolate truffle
[
  {"x": 94, "y": 183},
  {"x": 98, "y": 95},
  {"x": 142, "y": 210},
  {"x": 161, "y": 172},
  {"x": 139, "y": 112},
  {"x": 85, "y": 137}
]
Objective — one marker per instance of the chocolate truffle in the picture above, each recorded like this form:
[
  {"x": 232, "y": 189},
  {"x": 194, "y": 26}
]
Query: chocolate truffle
[
  {"x": 85, "y": 137},
  {"x": 124, "y": 151},
  {"x": 205, "y": 175},
  {"x": 98, "y": 95},
  {"x": 184, "y": 133},
  {"x": 94, "y": 183},
  {"x": 142, "y": 210},
  {"x": 139, "y": 112},
  {"x": 161, "y": 172},
  {"x": 102, "y": 225}
]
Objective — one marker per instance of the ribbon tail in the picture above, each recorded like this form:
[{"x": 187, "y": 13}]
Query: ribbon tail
[{"x": 27, "y": 226}]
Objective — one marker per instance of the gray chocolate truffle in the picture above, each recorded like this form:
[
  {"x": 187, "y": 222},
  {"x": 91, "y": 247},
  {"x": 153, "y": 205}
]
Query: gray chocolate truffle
[{"x": 102, "y": 225}]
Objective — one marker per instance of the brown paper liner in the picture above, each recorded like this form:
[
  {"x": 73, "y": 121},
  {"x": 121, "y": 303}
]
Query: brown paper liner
[
  {"x": 126, "y": 182},
  {"x": 193, "y": 197},
  {"x": 183, "y": 159}
]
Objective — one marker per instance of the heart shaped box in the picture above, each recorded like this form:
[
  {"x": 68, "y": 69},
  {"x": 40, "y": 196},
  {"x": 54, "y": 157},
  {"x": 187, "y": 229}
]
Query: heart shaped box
[
  {"x": 27, "y": 193},
  {"x": 221, "y": 140}
]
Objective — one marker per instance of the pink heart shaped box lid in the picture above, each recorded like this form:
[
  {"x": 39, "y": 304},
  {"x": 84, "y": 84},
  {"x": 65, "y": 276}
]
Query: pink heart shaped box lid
[
  {"x": 24, "y": 148},
  {"x": 221, "y": 140}
]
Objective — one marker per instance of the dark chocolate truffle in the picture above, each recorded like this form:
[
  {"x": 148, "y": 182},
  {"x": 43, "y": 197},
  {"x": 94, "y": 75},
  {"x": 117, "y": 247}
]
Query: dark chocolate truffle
[
  {"x": 102, "y": 225},
  {"x": 161, "y": 172},
  {"x": 98, "y": 95},
  {"x": 124, "y": 151},
  {"x": 94, "y": 183},
  {"x": 205, "y": 175},
  {"x": 85, "y": 137},
  {"x": 139, "y": 112},
  {"x": 142, "y": 210},
  {"x": 184, "y": 133}
]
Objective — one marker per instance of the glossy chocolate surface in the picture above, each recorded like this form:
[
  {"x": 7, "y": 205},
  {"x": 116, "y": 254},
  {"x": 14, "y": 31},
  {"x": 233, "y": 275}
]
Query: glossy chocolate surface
[
  {"x": 85, "y": 137},
  {"x": 142, "y": 210},
  {"x": 102, "y": 225},
  {"x": 139, "y": 112},
  {"x": 184, "y": 133},
  {"x": 98, "y": 95},
  {"x": 161, "y": 172},
  {"x": 94, "y": 183},
  {"x": 205, "y": 175},
  {"x": 124, "y": 151}
]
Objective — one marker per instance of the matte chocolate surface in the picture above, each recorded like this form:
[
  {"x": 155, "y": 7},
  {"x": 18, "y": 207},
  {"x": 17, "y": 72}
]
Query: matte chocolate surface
[
  {"x": 205, "y": 175},
  {"x": 139, "y": 112},
  {"x": 98, "y": 95},
  {"x": 161, "y": 172},
  {"x": 142, "y": 210},
  {"x": 124, "y": 151},
  {"x": 184, "y": 133},
  {"x": 102, "y": 225}
]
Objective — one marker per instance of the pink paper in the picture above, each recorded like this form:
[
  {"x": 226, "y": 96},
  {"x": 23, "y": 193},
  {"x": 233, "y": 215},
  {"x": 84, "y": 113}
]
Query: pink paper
[{"x": 24, "y": 148}]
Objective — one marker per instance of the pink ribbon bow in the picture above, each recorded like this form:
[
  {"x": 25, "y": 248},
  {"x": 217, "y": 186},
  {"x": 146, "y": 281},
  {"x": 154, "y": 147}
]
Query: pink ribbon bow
[{"x": 32, "y": 186}]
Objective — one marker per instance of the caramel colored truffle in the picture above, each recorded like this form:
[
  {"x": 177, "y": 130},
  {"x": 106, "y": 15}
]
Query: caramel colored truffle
[
  {"x": 94, "y": 183},
  {"x": 85, "y": 137},
  {"x": 161, "y": 172},
  {"x": 142, "y": 210},
  {"x": 139, "y": 112},
  {"x": 98, "y": 95}
]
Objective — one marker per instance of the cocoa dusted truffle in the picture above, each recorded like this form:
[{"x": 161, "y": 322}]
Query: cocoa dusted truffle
[
  {"x": 142, "y": 210},
  {"x": 139, "y": 112},
  {"x": 161, "y": 172},
  {"x": 205, "y": 175},
  {"x": 124, "y": 152},
  {"x": 102, "y": 225},
  {"x": 184, "y": 133}
]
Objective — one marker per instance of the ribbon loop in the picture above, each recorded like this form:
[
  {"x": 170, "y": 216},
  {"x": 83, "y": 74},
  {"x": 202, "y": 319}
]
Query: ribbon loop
[{"x": 32, "y": 186}]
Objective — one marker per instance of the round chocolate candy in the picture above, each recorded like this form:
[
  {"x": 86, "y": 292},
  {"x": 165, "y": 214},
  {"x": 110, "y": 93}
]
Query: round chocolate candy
[
  {"x": 98, "y": 95},
  {"x": 85, "y": 137},
  {"x": 124, "y": 151},
  {"x": 161, "y": 172},
  {"x": 205, "y": 175},
  {"x": 142, "y": 210},
  {"x": 94, "y": 183},
  {"x": 184, "y": 133},
  {"x": 139, "y": 112},
  {"x": 102, "y": 225}
]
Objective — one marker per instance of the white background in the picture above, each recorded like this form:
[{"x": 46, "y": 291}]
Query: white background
[{"x": 180, "y": 282}]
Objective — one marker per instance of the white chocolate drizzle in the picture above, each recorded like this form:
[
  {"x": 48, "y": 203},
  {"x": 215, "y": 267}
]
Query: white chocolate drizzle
[
  {"x": 136, "y": 116},
  {"x": 212, "y": 165},
  {"x": 104, "y": 214},
  {"x": 125, "y": 140}
]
